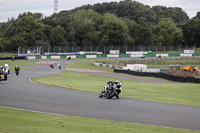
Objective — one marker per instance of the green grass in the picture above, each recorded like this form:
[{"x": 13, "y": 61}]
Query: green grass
[
  {"x": 186, "y": 94},
  {"x": 155, "y": 63},
  {"x": 88, "y": 65},
  {"x": 18, "y": 121},
  {"x": 197, "y": 51},
  {"x": 20, "y": 63},
  {"x": 7, "y": 54}
]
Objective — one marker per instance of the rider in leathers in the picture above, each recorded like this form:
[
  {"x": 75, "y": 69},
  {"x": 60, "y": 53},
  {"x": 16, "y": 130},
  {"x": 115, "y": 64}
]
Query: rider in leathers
[{"x": 116, "y": 85}]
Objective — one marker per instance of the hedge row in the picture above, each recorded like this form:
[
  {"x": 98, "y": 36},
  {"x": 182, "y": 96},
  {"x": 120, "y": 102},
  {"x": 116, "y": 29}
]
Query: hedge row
[{"x": 161, "y": 75}]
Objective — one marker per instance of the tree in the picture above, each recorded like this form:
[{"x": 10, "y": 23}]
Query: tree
[
  {"x": 174, "y": 13},
  {"x": 112, "y": 33},
  {"x": 131, "y": 30},
  {"x": 1, "y": 45},
  {"x": 29, "y": 24},
  {"x": 167, "y": 33},
  {"x": 197, "y": 16},
  {"x": 83, "y": 27},
  {"x": 57, "y": 36},
  {"x": 191, "y": 32},
  {"x": 143, "y": 32}
]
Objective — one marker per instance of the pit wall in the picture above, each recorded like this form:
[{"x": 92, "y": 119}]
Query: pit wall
[{"x": 115, "y": 56}]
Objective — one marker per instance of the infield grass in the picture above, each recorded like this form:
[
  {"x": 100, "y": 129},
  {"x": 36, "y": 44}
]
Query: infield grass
[{"x": 19, "y": 121}]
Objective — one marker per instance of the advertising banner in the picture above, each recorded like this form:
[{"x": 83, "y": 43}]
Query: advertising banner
[
  {"x": 189, "y": 51},
  {"x": 114, "y": 51}
]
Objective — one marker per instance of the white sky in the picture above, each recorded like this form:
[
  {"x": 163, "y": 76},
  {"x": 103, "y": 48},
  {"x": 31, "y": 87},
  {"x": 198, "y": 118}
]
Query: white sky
[{"x": 12, "y": 8}]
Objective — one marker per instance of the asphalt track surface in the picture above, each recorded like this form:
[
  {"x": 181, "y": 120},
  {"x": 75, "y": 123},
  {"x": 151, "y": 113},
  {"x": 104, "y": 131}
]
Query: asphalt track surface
[{"x": 19, "y": 92}]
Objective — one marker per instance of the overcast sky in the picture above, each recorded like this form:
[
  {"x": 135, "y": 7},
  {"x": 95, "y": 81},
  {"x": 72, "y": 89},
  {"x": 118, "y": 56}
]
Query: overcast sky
[{"x": 12, "y": 8}]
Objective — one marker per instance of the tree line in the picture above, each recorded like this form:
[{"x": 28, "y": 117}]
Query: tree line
[{"x": 124, "y": 23}]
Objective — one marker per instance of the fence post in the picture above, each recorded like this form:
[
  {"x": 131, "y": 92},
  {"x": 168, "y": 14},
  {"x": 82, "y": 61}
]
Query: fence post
[
  {"x": 43, "y": 50},
  {"x": 54, "y": 49},
  {"x": 133, "y": 47},
  {"x": 97, "y": 48},
  {"x": 40, "y": 49},
  {"x": 59, "y": 49},
  {"x": 91, "y": 48},
  {"x": 78, "y": 48},
  {"x": 19, "y": 50},
  {"x": 65, "y": 48},
  {"x": 194, "y": 47},
  {"x": 49, "y": 49}
]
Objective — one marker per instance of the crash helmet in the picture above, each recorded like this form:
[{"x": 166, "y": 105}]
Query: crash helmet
[
  {"x": 6, "y": 65},
  {"x": 118, "y": 83}
]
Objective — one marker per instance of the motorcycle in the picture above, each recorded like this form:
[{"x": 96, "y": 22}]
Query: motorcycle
[
  {"x": 17, "y": 72},
  {"x": 3, "y": 74},
  {"x": 109, "y": 94},
  {"x": 3, "y": 77}
]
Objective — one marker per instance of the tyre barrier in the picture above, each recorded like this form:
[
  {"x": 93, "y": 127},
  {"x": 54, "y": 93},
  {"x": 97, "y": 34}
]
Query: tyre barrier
[
  {"x": 10, "y": 58},
  {"x": 163, "y": 75}
]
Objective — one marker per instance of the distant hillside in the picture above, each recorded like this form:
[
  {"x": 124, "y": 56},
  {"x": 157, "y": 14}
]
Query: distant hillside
[{"x": 133, "y": 10}]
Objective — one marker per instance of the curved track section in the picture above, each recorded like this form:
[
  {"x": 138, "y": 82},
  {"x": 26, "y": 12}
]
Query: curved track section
[{"x": 19, "y": 92}]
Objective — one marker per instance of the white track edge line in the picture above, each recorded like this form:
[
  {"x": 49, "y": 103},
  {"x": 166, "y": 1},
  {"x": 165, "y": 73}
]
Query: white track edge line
[{"x": 32, "y": 81}]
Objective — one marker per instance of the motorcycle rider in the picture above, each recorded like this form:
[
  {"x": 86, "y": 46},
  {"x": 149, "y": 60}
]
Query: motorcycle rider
[
  {"x": 17, "y": 69},
  {"x": 7, "y": 68},
  {"x": 116, "y": 85}
]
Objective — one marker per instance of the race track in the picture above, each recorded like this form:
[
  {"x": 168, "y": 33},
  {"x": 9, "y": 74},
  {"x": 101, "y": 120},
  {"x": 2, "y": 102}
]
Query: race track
[{"x": 19, "y": 92}]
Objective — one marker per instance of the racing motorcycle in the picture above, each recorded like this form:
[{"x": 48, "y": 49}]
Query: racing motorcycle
[
  {"x": 110, "y": 93},
  {"x": 3, "y": 75},
  {"x": 17, "y": 72}
]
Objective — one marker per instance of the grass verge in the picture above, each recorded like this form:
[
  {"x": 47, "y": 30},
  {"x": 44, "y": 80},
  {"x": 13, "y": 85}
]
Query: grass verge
[
  {"x": 88, "y": 65},
  {"x": 7, "y": 54},
  {"x": 19, "y": 121}
]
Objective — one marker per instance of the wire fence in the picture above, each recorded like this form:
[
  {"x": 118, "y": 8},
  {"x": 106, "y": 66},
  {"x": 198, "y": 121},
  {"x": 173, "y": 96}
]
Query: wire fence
[{"x": 41, "y": 50}]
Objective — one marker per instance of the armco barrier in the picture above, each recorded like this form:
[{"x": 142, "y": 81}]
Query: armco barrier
[
  {"x": 170, "y": 55},
  {"x": 150, "y": 55},
  {"x": 102, "y": 56},
  {"x": 161, "y": 75},
  {"x": 124, "y": 55},
  {"x": 81, "y": 56}
]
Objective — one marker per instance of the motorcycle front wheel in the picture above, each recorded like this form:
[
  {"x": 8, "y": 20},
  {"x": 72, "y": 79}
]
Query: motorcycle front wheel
[
  {"x": 100, "y": 95},
  {"x": 112, "y": 94}
]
